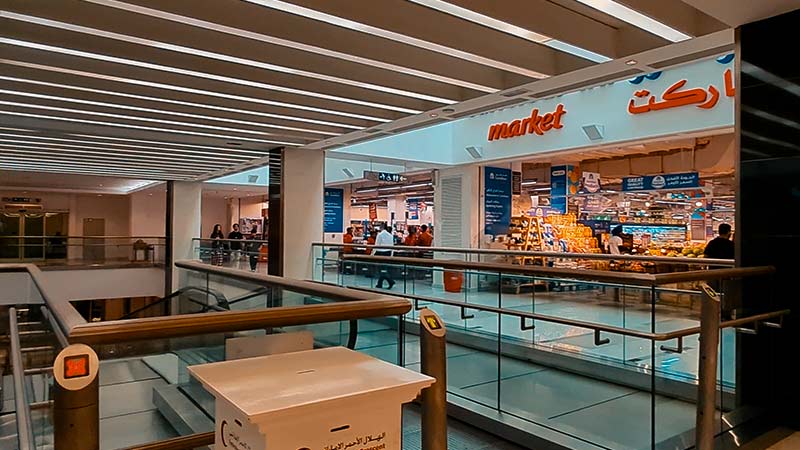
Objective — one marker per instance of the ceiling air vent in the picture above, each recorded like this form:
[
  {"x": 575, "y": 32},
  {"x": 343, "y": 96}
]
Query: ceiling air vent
[
  {"x": 252, "y": 179},
  {"x": 421, "y": 124},
  {"x": 348, "y": 172}
]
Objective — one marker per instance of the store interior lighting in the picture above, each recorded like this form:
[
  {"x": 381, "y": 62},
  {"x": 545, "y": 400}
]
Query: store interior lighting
[{"x": 637, "y": 19}]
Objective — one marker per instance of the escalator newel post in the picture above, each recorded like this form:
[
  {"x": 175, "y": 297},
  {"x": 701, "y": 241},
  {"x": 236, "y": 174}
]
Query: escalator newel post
[
  {"x": 434, "y": 364},
  {"x": 76, "y": 405},
  {"x": 707, "y": 368}
]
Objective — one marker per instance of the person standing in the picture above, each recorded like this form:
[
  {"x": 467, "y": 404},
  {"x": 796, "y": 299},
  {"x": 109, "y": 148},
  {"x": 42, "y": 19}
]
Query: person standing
[
  {"x": 424, "y": 239},
  {"x": 411, "y": 239},
  {"x": 615, "y": 242},
  {"x": 236, "y": 247},
  {"x": 384, "y": 239},
  {"x": 721, "y": 247},
  {"x": 216, "y": 245},
  {"x": 253, "y": 248},
  {"x": 348, "y": 239}
]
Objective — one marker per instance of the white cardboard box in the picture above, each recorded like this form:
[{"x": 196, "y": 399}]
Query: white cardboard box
[{"x": 327, "y": 399}]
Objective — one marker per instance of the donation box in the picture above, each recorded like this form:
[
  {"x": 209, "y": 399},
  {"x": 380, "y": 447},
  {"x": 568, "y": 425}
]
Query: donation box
[{"x": 326, "y": 399}]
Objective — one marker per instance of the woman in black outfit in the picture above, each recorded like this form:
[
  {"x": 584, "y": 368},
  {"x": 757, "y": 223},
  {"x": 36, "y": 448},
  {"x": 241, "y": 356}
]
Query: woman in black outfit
[{"x": 216, "y": 245}]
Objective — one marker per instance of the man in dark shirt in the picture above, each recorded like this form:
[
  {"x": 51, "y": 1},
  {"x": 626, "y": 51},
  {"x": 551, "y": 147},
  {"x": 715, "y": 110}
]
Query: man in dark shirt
[{"x": 722, "y": 246}]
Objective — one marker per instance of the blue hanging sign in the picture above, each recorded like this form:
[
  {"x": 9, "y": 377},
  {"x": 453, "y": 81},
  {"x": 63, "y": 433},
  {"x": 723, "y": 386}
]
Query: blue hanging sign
[
  {"x": 686, "y": 180},
  {"x": 497, "y": 200},
  {"x": 333, "y": 221}
]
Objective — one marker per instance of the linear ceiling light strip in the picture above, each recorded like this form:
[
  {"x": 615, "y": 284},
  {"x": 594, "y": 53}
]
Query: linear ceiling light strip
[
  {"x": 139, "y": 118},
  {"x": 139, "y": 127},
  {"x": 224, "y": 150},
  {"x": 182, "y": 103},
  {"x": 133, "y": 149},
  {"x": 397, "y": 37},
  {"x": 43, "y": 154},
  {"x": 164, "y": 158},
  {"x": 204, "y": 75},
  {"x": 167, "y": 112},
  {"x": 636, "y": 19},
  {"x": 197, "y": 23},
  {"x": 507, "y": 28},
  {"x": 33, "y": 158},
  {"x": 30, "y": 166},
  {"x": 188, "y": 90},
  {"x": 220, "y": 57}
]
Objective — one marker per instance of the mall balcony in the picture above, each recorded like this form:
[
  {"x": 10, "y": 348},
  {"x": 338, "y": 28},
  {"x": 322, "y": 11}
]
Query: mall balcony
[{"x": 550, "y": 225}]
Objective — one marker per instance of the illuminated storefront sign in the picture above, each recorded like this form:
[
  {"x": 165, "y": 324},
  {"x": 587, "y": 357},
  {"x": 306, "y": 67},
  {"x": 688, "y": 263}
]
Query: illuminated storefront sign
[
  {"x": 676, "y": 96},
  {"x": 535, "y": 124}
]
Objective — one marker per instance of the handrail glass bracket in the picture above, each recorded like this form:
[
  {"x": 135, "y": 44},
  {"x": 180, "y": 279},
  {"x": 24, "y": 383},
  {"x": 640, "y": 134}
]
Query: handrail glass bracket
[{"x": 600, "y": 341}]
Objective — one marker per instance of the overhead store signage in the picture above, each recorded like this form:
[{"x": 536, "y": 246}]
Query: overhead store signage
[
  {"x": 384, "y": 177},
  {"x": 657, "y": 182},
  {"x": 676, "y": 96},
  {"x": 590, "y": 182},
  {"x": 564, "y": 181},
  {"x": 497, "y": 200},
  {"x": 333, "y": 219},
  {"x": 535, "y": 124}
]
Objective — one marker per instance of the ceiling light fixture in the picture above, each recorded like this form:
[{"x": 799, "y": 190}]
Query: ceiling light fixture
[
  {"x": 208, "y": 76},
  {"x": 230, "y": 157},
  {"x": 391, "y": 35},
  {"x": 190, "y": 91},
  {"x": 40, "y": 154},
  {"x": 219, "y": 57},
  {"x": 637, "y": 19},
  {"x": 167, "y": 112},
  {"x": 137, "y": 118},
  {"x": 505, "y": 27},
  {"x": 125, "y": 125},
  {"x": 289, "y": 44},
  {"x": 631, "y": 62}
]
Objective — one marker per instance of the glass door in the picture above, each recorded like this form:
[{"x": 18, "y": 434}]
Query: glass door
[
  {"x": 10, "y": 225},
  {"x": 33, "y": 224}
]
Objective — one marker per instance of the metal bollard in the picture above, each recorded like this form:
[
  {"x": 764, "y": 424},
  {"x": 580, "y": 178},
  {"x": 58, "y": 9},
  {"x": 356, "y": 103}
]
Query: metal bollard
[
  {"x": 76, "y": 405},
  {"x": 434, "y": 364},
  {"x": 707, "y": 368}
]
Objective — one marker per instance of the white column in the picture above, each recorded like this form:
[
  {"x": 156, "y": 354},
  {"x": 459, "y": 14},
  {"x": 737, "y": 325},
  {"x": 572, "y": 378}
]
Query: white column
[
  {"x": 302, "y": 199},
  {"x": 464, "y": 228},
  {"x": 186, "y": 222}
]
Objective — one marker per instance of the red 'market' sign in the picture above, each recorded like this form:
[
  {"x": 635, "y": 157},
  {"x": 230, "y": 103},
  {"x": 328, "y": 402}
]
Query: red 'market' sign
[{"x": 534, "y": 124}]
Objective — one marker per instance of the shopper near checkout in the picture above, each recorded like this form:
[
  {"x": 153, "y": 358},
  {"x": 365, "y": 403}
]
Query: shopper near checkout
[
  {"x": 615, "y": 242},
  {"x": 721, "y": 247},
  {"x": 411, "y": 239},
  {"x": 384, "y": 239}
]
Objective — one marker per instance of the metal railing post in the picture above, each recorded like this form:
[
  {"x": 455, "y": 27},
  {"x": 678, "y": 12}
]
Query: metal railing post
[
  {"x": 25, "y": 437},
  {"x": 434, "y": 364},
  {"x": 707, "y": 368}
]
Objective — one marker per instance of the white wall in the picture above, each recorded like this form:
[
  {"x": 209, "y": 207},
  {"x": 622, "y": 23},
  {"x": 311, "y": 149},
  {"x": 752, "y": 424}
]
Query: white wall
[
  {"x": 18, "y": 288},
  {"x": 187, "y": 198},
  {"x": 148, "y": 212},
  {"x": 106, "y": 283},
  {"x": 214, "y": 210}
]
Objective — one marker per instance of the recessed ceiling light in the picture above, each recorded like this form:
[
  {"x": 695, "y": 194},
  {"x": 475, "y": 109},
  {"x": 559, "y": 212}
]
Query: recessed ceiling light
[
  {"x": 391, "y": 35},
  {"x": 637, "y": 19},
  {"x": 191, "y": 21},
  {"x": 233, "y": 143},
  {"x": 210, "y": 76},
  {"x": 125, "y": 125},
  {"x": 101, "y": 185},
  {"x": 513, "y": 30},
  {"x": 167, "y": 100},
  {"x": 167, "y": 112},
  {"x": 631, "y": 62},
  {"x": 433, "y": 115}
]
